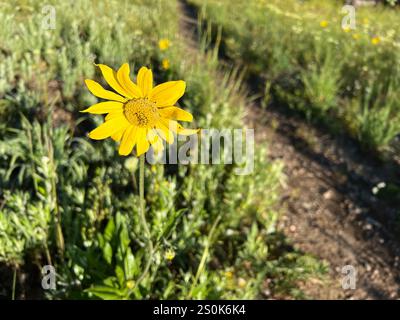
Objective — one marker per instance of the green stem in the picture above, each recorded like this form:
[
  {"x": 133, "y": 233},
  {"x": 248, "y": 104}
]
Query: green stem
[
  {"x": 57, "y": 214},
  {"x": 204, "y": 256},
  {"x": 144, "y": 222},
  {"x": 14, "y": 283},
  {"x": 57, "y": 218},
  {"x": 47, "y": 252}
]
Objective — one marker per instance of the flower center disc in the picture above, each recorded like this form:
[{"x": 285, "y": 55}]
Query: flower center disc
[{"x": 141, "y": 112}]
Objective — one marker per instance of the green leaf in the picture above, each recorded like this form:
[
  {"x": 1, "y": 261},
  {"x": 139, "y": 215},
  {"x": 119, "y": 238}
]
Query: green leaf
[
  {"x": 129, "y": 265},
  {"x": 106, "y": 293},
  {"x": 124, "y": 239},
  {"x": 171, "y": 223},
  {"x": 107, "y": 252},
  {"x": 119, "y": 272},
  {"x": 109, "y": 230}
]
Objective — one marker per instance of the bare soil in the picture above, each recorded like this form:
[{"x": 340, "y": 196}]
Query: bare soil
[{"x": 329, "y": 208}]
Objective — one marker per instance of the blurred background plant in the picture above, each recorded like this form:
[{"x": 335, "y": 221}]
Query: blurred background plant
[{"x": 312, "y": 64}]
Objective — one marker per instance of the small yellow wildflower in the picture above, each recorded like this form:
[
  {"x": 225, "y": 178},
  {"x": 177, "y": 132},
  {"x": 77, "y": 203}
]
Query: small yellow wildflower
[
  {"x": 164, "y": 44},
  {"x": 375, "y": 40},
  {"x": 169, "y": 254},
  {"x": 324, "y": 23},
  {"x": 165, "y": 64},
  {"x": 356, "y": 36},
  {"x": 346, "y": 29},
  {"x": 138, "y": 114},
  {"x": 242, "y": 283},
  {"x": 229, "y": 274},
  {"x": 130, "y": 284}
]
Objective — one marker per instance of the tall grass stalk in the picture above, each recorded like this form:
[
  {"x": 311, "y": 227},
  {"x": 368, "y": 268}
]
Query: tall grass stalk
[{"x": 14, "y": 283}]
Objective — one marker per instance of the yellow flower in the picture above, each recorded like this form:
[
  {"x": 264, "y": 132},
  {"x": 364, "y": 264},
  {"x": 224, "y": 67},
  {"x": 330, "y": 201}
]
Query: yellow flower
[
  {"x": 169, "y": 254},
  {"x": 375, "y": 40},
  {"x": 346, "y": 29},
  {"x": 130, "y": 284},
  {"x": 356, "y": 36},
  {"x": 165, "y": 64},
  {"x": 242, "y": 283},
  {"x": 324, "y": 23},
  {"x": 138, "y": 114},
  {"x": 163, "y": 44}
]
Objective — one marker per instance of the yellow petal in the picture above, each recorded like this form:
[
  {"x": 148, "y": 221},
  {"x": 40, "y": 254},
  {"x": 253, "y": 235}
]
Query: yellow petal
[
  {"x": 118, "y": 135},
  {"x": 105, "y": 107},
  {"x": 168, "y": 93},
  {"x": 114, "y": 114},
  {"x": 97, "y": 90},
  {"x": 163, "y": 44},
  {"x": 175, "y": 113},
  {"x": 142, "y": 145},
  {"x": 108, "y": 128},
  {"x": 125, "y": 81},
  {"x": 164, "y": 132},
  {"x": 158, "y": 145},
  {"x": 111, "y": 77},
  {"x": 177, "y": 128},
  {"x": 186, "y": 132},
  {"x": 128, "y": 141},
  {"x": 145, "y": 80},
  {"x": 152, "y": 136},
  {"x": 155, "y": 141}
]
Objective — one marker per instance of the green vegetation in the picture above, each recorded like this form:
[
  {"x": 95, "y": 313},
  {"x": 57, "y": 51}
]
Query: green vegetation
[
  {"x": 310, "y": 63},
  {"x": 214, "y": 231}
]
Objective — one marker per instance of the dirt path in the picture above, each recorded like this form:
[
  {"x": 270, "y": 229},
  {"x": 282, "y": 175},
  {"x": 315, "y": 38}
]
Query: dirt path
[
  {"x": 328, "y": 204},
  {"x": 329, "y": 207}
]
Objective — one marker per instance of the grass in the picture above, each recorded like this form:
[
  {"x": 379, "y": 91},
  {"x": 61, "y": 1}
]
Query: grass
[
  {"x": 310, "y": 63},
  {"x": 215, "y": 231}
]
